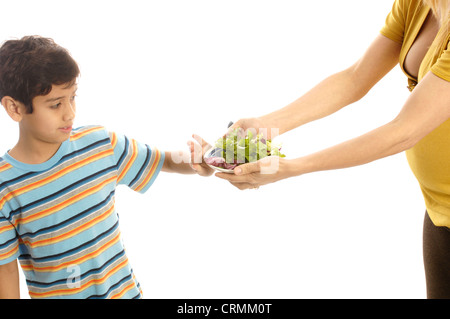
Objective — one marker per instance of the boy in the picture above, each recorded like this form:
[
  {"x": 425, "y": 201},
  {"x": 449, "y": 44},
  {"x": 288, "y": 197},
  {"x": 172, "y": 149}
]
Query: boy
[{"x": 57, "y": 184}]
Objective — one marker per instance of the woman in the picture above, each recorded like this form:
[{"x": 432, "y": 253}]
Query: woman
[{"x": 416, "y": 34}]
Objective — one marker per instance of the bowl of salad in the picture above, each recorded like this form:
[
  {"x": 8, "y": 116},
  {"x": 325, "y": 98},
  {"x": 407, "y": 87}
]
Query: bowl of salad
[{"x": 240, "y": 147}]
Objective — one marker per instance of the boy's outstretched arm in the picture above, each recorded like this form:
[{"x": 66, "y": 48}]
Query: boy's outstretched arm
[
  {"x": 9, "y": 281},
  {"x": 188, "y": 163}
]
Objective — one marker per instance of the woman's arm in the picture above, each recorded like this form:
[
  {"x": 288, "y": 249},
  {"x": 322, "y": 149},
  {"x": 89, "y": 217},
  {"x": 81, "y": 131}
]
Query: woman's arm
[
  {"x": 335, "y": 92},
  {"x": 9, "y": 281},
  {"x": 426, "y": 108}
]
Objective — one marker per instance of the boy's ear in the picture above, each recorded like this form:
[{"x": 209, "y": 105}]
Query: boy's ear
[{"x": 13, "y": 108}]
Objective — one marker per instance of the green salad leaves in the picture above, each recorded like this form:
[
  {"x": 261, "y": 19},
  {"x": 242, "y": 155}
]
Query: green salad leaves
[{"x": 239, "y": 147}]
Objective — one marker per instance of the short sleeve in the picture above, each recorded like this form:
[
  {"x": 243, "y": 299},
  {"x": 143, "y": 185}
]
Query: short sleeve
[
  {"x": 138, "y": 164},
  {"x": 9, "y": 241},
  {"x": 394, "y": 27},
  {"x": 442, "y": 66}
]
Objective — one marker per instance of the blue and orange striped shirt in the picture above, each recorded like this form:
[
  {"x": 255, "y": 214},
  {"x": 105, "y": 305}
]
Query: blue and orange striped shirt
[{"x": 58, "y": 217}]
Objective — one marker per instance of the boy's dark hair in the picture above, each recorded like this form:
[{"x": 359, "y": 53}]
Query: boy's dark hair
[{"x": 30, "y": 66}]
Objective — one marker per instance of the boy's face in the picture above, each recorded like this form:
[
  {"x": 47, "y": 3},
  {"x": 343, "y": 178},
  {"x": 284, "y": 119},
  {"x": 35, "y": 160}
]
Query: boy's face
[{"x": 53, "y": 115}]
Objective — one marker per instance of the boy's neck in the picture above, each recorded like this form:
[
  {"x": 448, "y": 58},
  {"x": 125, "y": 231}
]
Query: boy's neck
[{"x": 33, "y": 153}]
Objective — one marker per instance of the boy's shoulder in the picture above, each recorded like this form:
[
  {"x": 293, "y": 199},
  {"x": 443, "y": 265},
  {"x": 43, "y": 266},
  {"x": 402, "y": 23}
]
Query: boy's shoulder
[
  {"x": 4, "y": 165},
  {"x": 88, "y": 131},
  {"x": 90, "y": 137}
]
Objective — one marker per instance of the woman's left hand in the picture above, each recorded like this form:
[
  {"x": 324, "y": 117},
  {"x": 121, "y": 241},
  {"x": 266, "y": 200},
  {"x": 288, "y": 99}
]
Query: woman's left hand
[{"x": 253, "y": 175}]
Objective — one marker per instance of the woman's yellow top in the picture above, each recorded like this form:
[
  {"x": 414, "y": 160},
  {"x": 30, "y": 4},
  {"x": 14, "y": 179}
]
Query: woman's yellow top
[{"x": 429, "y": 159}]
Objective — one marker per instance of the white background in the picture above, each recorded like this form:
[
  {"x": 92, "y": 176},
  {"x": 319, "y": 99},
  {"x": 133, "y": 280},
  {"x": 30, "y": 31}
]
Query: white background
[{"x": 162, "y": 70}]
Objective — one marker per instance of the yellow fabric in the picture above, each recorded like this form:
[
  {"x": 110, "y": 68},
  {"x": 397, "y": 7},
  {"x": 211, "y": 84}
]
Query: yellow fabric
[{"x": 430, "y": 158}]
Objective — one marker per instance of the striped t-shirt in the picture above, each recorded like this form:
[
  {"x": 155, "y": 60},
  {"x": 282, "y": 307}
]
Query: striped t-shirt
[{"x": 58, "y": 217}]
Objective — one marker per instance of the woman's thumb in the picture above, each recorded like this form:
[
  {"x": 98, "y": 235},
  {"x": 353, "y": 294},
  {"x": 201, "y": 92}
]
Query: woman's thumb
[{"x": 247, "y": 168}]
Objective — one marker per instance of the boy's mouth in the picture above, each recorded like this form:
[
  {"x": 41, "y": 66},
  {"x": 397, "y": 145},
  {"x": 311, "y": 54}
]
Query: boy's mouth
[{"x": 66, "y": 129}]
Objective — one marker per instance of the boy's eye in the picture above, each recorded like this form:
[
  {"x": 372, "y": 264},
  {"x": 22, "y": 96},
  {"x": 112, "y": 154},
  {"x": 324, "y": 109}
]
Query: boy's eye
[{"x": 55, "y": 106}]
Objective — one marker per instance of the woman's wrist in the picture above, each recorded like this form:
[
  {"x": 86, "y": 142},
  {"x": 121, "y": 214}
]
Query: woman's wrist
[
  {"x": 273, "y": 122},
  {"x": 297, "y": 166}
]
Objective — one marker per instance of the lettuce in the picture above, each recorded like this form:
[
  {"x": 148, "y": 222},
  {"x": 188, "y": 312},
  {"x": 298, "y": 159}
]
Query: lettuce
[{"x": 240, "y": 147}]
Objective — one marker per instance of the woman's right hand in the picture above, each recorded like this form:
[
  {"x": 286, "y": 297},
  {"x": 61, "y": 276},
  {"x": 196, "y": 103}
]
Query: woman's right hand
[{"x": 257, "y": 124}]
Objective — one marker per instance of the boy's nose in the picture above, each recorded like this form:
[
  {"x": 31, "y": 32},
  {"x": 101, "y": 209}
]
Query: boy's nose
[{"x": 69, "y": 114}]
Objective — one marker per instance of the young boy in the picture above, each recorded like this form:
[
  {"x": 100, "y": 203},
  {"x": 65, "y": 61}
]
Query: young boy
[{"x": 57, "y": 184}]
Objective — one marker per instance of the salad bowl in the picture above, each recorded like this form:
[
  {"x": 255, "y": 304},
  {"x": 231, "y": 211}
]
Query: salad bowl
[
  {"x": 239, "y": 147},
  {"x": 214, "y": 159}
]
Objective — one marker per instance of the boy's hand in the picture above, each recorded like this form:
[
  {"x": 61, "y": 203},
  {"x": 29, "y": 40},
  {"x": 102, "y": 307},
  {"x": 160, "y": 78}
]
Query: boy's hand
[{"x": 198, "y": 150}]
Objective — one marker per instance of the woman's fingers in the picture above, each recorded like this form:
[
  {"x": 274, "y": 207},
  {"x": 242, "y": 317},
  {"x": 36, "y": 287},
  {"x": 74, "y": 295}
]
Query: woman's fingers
[{"x": 243, "y": 186}]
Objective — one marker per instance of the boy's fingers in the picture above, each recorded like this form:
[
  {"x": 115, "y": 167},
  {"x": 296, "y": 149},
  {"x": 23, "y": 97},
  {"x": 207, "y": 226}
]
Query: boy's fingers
[{"x": 200, "y": 141}]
